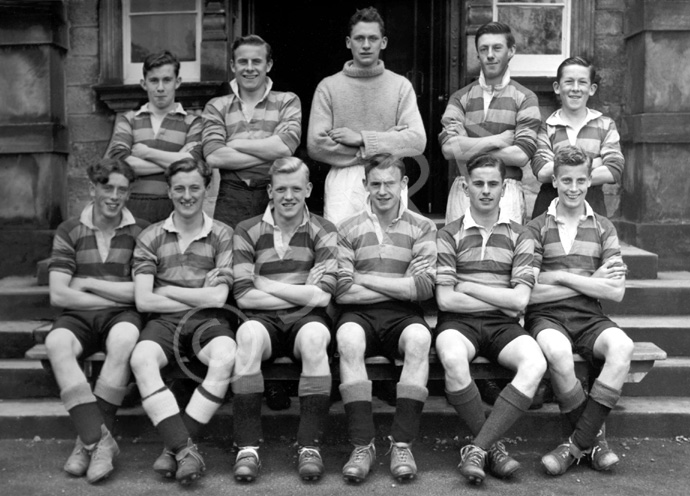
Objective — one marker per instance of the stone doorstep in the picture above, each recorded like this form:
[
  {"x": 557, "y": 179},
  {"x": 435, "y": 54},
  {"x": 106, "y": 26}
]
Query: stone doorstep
[
  {"x": 632, "y": 417},
  {"x": 16, "y": 337}
]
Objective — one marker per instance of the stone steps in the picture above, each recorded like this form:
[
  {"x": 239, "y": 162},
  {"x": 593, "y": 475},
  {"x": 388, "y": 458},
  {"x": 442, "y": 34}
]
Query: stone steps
[
  {"x": 670, "y": 377},
  {"x": 633, "y": 417}
]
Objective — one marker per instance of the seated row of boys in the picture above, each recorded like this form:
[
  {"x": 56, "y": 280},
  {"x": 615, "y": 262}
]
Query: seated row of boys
[{"x": 285, "y": 266}]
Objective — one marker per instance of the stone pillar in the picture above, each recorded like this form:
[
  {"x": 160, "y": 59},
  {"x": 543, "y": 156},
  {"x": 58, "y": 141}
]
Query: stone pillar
[
  {"x": 33, "y": 135},
  {"x": 655, "y": 204}
]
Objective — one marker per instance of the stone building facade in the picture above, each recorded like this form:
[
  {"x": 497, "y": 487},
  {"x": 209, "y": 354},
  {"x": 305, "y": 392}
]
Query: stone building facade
[{"x": 60, "y": 90}]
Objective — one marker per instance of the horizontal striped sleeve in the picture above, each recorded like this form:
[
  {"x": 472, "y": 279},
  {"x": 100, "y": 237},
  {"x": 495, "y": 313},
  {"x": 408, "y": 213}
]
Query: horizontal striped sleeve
[
  {"x": 145, "y": 259},
  {"x": 346, "y": 258},
  {"x": 609, "y": 239},
  {"x": 214, "y": 134},
  {"x": 533, "y": 229},
  {"x": 424, "y": 246},
  {"x": 527, "y": 119},
  {"x": 64, "y": 256},
  {"x": 121, "y": 142},
  {"x": 289, "y": 120},
  {"x": 454, "y": 114},
  {"x": 446, "y": 247},
  {"x": 325, "y": 252},
  {"x": 243, "y": 258},
  {"x": 544, "y": 154},
  {"x": 611, "y": 154},
  {"x": 192, "y": 143},
  {"x": 523, "y": 261},
  {"x": 223, "y": 245}
]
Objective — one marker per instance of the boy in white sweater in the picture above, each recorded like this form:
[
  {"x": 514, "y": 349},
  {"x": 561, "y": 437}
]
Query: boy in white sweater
[{"x": 359, "y": 112}]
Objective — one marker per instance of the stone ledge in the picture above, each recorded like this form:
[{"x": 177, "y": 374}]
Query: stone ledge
[{"x": 124, "y": 97}]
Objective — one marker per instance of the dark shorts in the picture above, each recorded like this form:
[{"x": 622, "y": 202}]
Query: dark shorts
[
  {"x": 152, "y": 208},
  {"x": 186, "y": 338},
  {"x": 579, "y": 318},
  {"x": 383, "y": 324},
  {"x": 237, "y": 201},
  {"x": 489, "y": 332},
  {"x": 283, "y": 334},
  {"x": 92, "y": 327}
]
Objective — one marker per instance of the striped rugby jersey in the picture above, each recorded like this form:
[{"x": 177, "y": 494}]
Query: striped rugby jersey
[
  {"x": 179, "y": 132},
  {"x": 595, "y": 242},
  {"x": 513, "y": 108},
  {"x": 503, "y": 260},
  {"x": 259, "y": 250},
  {"x": 158, "y": 253},
  {"x": 76, "y": 248},
  {"x": 598, "y": 138},
  {"x": 278, "y": 113},
  {"x": 365, "y": 247}
]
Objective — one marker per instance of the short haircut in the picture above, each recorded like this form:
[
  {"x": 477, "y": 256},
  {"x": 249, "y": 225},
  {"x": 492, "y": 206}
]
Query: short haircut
[
  {"x": 577, "y": 61},
  {"x": 255, "y": 40},
  {"x": 486, "y": 160},
  {"x": 288, "y": 165},
  {"x": 99, "y": 173},
  {"x": 189, "y": 165},
  {"x": 369, "y": 14},
  {"x": 571, "y": 156},
  {"x": 384, "y": 161},
  {"x": 160, "y": 59},
  {"x": 495, "y": 28}
]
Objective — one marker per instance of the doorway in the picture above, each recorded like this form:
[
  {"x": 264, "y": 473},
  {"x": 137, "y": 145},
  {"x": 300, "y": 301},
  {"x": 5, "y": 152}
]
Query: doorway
[{"x": 308, "y": 41}]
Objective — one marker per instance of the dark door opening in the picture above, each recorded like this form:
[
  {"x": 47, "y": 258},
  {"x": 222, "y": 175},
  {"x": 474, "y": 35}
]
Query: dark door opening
[{"x": 308, "y": 41}]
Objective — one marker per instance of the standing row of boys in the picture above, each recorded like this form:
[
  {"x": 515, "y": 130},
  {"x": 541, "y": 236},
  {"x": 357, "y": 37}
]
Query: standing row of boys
[{"x": 284, "y": 265}]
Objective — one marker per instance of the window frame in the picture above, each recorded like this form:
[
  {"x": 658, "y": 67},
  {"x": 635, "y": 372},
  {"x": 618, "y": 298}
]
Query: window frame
[
  {"x": 132, "y": 71},
  {"x": 541, "y": 65}
]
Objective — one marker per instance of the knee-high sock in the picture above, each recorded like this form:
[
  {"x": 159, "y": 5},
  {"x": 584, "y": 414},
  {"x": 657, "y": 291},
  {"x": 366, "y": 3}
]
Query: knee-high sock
[
  {"x": 246, "y": 409},
  {"x": 109, "y": 398},
  {"x": 468, "y": 403},
  {"x": 81, "y": 405},
  {"x": 572, "y": 403},
  {"x": 510, "y": 405},
  {"x": 162, "y": 409},
  {"x": 360, "y": 420},
  {"x": 200, "y": 409},
  {"x": 408, "y": 412},
  {"x": 602, "y": 399},
  {"x": 314, "y": 402}
]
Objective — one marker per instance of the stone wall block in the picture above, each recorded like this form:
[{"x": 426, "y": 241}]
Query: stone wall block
[
  {"x": 611, "y": 5},
  {"x": 83, "y": 41},
  {"x": 80, "y": 100},
  {"x": 84, "y": 154},
  {"x": 82, "y": 12},
  {"x": 90, "y": 128},
  {"x": 609, "y": 23},
  {"x": 81, "y": 70}
]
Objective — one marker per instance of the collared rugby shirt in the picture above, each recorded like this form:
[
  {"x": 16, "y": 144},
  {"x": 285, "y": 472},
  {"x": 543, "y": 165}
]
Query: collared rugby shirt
[
  {"x": 76, "y": 248},
  {"x": 179, "y": 132},
  {"x": 513, "y": 108},
  {"x": 596, "y": 241},
  {"x": 158, "y": 253},
  {"x": 259, "y": 250},
  {"x": 278, "y": 113},
  {"x": 598, "y": 137},
  {"x": 503, "y": 259},
  {"x": 365, "y": 247}
]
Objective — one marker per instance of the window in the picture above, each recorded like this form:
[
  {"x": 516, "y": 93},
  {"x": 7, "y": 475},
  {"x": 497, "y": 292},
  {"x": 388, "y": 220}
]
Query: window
[
  {"x": 152, "y": 25},
  {"x": 542, "y": 34}
]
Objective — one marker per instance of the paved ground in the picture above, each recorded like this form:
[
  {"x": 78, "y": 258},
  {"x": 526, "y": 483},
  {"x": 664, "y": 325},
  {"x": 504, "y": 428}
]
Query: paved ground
[{"x": 649, "y": 466}]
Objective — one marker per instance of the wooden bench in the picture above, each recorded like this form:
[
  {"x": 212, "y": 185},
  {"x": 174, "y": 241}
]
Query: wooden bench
[{"x": 378, "y": 368}]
